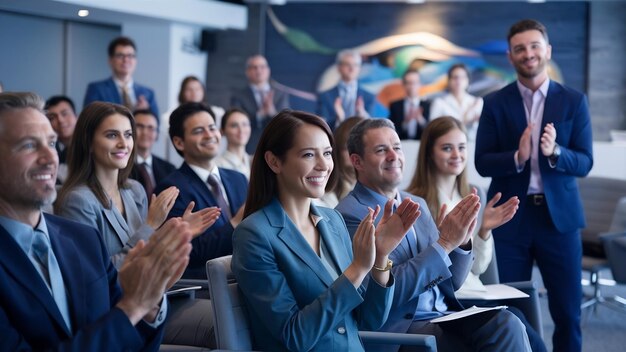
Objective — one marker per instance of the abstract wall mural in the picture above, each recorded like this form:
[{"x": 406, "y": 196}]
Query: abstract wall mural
[{"x": 302, "y": 41}]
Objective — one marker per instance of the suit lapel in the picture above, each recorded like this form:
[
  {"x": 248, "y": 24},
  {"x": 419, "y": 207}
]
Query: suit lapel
[
  {"x": 17, "y": 265},
  {"x": 113, "y": 89},
  {"x": 552, "y": 109},
  {"x": 114, "y": 218},
  {"x": 516, "y": 108},
  {"x": 230, "y": 191},
  {"x": 293, "y": 239},
  {"x": 69, "y": 261},
  {"x": 200, "y": 189},
  {"x": 331, "y": 236}
]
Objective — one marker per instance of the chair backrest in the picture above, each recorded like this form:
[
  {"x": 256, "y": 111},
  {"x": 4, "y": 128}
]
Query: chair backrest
[
  {"x": 230, "y": 316},
  {"x": 600, "y": 197},
  {"x": 615, "y": 247},
  {"x": 491, "y": 275}
]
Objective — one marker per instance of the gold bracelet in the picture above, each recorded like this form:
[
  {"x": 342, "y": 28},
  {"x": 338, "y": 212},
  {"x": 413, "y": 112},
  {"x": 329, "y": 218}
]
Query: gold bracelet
[{"x": 386, "y": 268}]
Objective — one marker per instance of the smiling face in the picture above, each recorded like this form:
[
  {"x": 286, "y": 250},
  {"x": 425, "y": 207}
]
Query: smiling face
[
  {"x": 307, "y": 165},
  {"x": 257, "y": 70},
  {"x": 63, "y": 120},
  {"x": 28, "y": 159},
  {"x": 449, "y": 153},
  {"x": 193, "y": 92},
  {"x": 458, "y": 81},
  {"x": 123, "y": 61},
  {"x": 530, "y": 53},
  {"x": 201, "y": 141},
  {"x": 112, "y": 143},
  {"x": 237, "y": 130},
  {"x": 349, "y": 68},
  {"x": 380, "y": 167},
  {"x": 147, "y": 132}
]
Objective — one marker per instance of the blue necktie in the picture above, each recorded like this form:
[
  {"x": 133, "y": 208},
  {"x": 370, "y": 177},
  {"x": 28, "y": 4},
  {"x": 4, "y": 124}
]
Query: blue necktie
[
  {"x": 51, "y": 272},
  {"x": 347, "y": 102}
]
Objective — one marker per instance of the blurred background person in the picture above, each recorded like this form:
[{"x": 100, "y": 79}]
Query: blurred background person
[
  {"x": 235, "y": 126},
  {"x": 148, "y": 168},
  {"x": 410, "y": 114},
  {"x": 346, "y": 176},
  {"x": 457, "y": 102},
  {"x": 98, "y": 191},
  {"x": 61, "y": 112}
]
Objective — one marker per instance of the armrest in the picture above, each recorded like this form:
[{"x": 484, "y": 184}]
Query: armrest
[
  {"x": 611, "y": 235},
  {"x": 204, "y": 284},
  {"x": 391, "y": 338}
]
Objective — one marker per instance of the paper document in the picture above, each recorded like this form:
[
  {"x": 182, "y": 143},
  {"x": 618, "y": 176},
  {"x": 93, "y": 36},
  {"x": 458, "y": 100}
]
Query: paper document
[
  {"x": 493, "y": 292},
  {"x": 465, "y": 313}
]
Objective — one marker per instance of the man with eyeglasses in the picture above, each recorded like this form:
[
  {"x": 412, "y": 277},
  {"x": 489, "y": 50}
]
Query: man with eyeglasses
[
  {"x": 120, "y": 87},
  {"x": 148, "y": 169}
]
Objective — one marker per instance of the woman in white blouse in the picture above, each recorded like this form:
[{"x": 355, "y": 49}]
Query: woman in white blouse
[
  {"x": 441, "y": 179},
  {"x": 235, "y": 126},
  {"x": 457, "y": 102}
]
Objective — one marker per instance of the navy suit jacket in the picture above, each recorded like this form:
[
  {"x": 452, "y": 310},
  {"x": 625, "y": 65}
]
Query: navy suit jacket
[
  {"x": 160, "y": 169},
  {"x": 216, "y": 241},
  {"x": 396, "y": 115},
  {"x": 294, "y": 301},
  {"x": 29, "y": 317},
  {"x": 326, "y": 104},
  {"x": 417, "y": 267},
  {"x": 106, "y": 90},
  {"x": 502, "y": 123},
  {"x": 244, "y": 100}
]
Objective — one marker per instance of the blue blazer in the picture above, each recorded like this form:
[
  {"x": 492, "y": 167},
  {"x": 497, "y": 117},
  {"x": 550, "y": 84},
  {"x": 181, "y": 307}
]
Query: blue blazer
[
  {"x": 417, "y": 267},
  {"x": 502, "y": 123},
  {"x": 216, "y": 241},
  {"x": 29, "y": 317},
  {"x": 106, "y": 90},
  {"x": 292, "y": 299},
  {"x": 326, "y": 104}
]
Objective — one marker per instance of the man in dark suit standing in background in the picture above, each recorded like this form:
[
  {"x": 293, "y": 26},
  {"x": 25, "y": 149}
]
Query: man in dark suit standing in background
[
  {"x": 534, "y": 139},
  {"x": 60, "y": 290},
  {"x": 148, "y": 169},
  {"x": 197, "y": 139},
  {"x": 120, "y": 88},
  {"x": 259, "y": 99},
  {"x": 346, "y": 99},
  {"x": 410, "y": 115}
]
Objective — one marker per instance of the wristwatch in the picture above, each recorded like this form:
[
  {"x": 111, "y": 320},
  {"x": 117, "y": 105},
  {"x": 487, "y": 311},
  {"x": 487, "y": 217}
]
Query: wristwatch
[{"x": 556, "y": 153}]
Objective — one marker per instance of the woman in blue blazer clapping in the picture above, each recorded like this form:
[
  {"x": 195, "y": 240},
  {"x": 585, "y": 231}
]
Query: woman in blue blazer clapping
[{"x": 302, "y": 278}]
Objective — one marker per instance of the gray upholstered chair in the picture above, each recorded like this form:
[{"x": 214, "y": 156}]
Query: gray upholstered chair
[
  {"x": 232, "y": 330},
  {"x": 604, "y": 202},
  {"x": 615, "y": 248}
]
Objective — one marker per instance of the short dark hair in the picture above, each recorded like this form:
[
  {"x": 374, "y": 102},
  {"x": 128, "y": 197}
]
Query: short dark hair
[
  {"x": 120, "y": 41},
  {"x": 278, "y": 138},
  {"x": 527, "y": 25},
  {"x": 227, "y": 115},
  {"x": 459, "y": 65},
  {"x": 180, "y": 115},
  {"x": 355, "y": 139},
  {"x": 56, "y": 100},
  {"x": 408, "y": 72}
]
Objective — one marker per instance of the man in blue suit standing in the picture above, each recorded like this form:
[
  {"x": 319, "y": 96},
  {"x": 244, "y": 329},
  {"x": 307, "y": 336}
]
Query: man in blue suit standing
[
  {"x": 534, "y": 139},
  {"x": 346, "y": 99},
  {"x": 120, "y": 88},
  {"x": 197, "y": 139},
  {"x": 60, "y": 290},
  {"x": 432, "y": 261}
]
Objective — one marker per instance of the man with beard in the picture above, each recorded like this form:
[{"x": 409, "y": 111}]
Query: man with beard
[
  {"x": 534, "y": 139},
  {"x": 60, "y": 290}
]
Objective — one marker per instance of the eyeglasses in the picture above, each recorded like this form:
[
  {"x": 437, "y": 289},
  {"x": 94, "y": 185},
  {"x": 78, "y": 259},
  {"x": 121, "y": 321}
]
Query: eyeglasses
[
  {"x": 120, "y": 56},
  {"x": 146, "y": 127}
]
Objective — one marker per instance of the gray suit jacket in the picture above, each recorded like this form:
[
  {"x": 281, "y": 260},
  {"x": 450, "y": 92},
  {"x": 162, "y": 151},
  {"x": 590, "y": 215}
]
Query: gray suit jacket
[
  {"x": 119, "y": 233},
  {"x": 417, "y": 267}
]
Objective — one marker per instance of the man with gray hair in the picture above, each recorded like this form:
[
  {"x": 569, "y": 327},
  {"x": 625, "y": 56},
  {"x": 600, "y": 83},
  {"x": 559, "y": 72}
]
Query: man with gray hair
[
  {"x": 346, "y": 99},
  {"x": 432, "y": 261},
  {"x": 60, "y": 290}
]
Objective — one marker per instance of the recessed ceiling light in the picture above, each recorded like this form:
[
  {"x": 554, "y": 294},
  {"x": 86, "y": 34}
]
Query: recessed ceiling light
[{"x": 83, "y": 13}]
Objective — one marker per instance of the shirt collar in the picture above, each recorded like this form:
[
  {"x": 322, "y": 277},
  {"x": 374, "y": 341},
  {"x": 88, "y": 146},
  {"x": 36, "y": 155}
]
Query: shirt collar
[
  {"x": 204, "y": 173},
  {"x": 350, "y": 86},
  {"x": 543, "y": 88},
  {"x": 263, "y": 87},
  {"x": 147, "y": 161},
  {"x": 121, "y": 84},
  {"x": 23, "y": 233}
]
